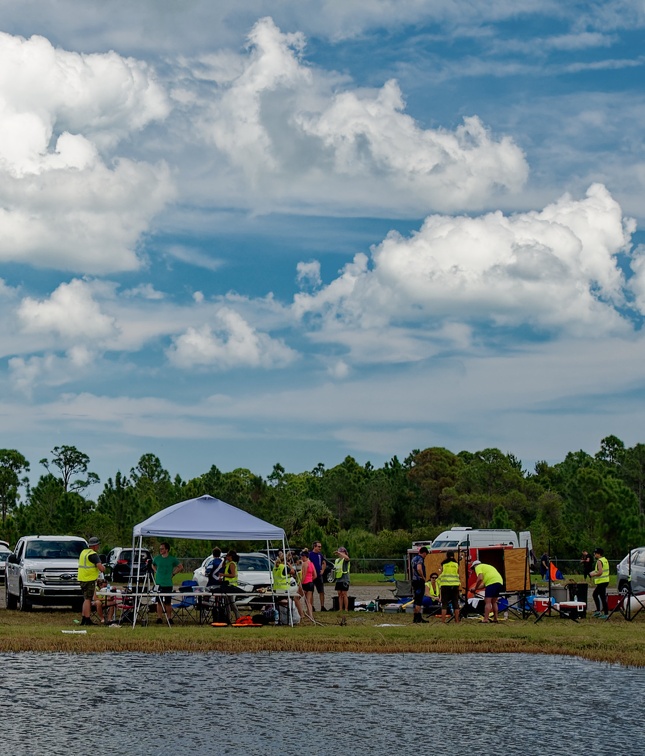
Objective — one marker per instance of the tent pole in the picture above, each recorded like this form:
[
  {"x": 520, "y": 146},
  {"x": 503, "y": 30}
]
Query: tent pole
[
  {"x": 137, "y": 599},
  {"x": 549, "y": 573}
]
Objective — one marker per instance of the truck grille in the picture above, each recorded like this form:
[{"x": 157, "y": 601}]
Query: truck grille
[{"x": 60, "y": 577}]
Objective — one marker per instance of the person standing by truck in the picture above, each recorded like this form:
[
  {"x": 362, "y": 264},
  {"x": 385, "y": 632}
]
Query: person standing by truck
[
  {"x": 89, "y": 568},
  {"x": 601, "y": 578},
  {"x": 418, "y": 581},
  {"x": 491, "y": 581},
  {"x": 450, "y": 582}
]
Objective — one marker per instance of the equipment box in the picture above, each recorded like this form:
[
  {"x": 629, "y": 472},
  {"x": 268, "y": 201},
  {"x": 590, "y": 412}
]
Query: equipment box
[{"x": 573, "y": 609}]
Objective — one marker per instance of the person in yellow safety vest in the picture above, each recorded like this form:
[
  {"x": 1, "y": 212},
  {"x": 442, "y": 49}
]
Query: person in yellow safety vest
[
  {"x": 230, "y": 580},
  {"x": 433, "y": 588},
  {"x": 282, "y": 573},
  {"x": 601, "y": 578},
  {"x": 450, "y": 583},
  {"x": 491, "y": 581},
  {"x": 341, "y": 573},
  {"x": 89, "y": 568}
]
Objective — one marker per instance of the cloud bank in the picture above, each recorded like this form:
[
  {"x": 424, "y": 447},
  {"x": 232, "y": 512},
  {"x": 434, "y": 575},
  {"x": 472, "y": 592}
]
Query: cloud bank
[{"x": 67, "y": 200}]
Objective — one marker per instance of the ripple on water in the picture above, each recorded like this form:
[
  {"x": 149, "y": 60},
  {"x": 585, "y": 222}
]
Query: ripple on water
[{"x": 318, "y": 703}]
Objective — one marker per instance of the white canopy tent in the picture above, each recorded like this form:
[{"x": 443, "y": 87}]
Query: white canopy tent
[{"x": 206, "y": 518}]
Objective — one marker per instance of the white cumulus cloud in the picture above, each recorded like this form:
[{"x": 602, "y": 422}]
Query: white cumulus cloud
[
  {"x": 70, "y": 312},
  {"x": 304, "y": 135},
  {"x": 228, "y": 343},
  {"x": 554, "y": 270},
  {"x": 67, "y": 201}
]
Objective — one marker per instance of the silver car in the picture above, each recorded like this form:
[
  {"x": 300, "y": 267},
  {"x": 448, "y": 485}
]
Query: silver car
[
  {"x": 253, "y": 571},
  {"x": 4, "y": 553},
  {"x": 638, "y": 572}
]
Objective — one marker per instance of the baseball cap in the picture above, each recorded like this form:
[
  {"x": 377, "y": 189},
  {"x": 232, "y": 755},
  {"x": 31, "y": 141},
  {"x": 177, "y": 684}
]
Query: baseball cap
[
  {"x": 475, "y": 562},
  {"x": 94, "y": 541}
]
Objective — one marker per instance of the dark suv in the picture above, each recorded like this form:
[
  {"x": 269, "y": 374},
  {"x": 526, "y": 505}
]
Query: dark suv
[{"x": 121, "y": 564}]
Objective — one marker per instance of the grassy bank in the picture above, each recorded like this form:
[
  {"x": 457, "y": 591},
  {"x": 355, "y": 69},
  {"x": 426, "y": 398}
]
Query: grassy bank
[{"x": 615, "y": 641}]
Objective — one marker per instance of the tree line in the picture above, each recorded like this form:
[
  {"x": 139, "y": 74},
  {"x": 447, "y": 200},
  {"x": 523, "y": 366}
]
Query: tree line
[{"x": 581, "y": 502}]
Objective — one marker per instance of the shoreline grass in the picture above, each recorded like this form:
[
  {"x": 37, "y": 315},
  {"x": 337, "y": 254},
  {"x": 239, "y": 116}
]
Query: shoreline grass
[{"x": 615, "y": 642}]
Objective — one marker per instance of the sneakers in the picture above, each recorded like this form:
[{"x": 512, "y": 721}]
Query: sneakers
[
  {"x": 596, "y": 614},
  {"x": 603, "y": 616},
  {"x": 322, "y": 609},
  {"x": 418, "y": 619}
]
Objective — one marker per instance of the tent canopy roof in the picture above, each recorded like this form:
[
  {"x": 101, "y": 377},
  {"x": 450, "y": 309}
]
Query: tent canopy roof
[{"x": 209, "y": 519}]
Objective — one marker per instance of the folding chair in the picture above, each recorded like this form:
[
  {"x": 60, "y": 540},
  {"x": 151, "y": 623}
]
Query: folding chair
[
  {"x": 388, "y": 573},
  {"x": 187, "y": 608}
]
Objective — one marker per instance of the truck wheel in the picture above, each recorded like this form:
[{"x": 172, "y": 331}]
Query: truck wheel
[
  {"x": 11, "y": 601},
  {"x": 24, "y": 604}
]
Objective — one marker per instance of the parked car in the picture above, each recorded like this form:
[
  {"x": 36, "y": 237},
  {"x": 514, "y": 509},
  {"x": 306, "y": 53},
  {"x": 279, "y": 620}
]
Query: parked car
[
  {"x": 253, "y": 570},
  {"x": 4, "y": 553},
  {"x": 44, "y": 570},
  {"x": 638, "y": 572},
  {"x": 119, "y": 560}
]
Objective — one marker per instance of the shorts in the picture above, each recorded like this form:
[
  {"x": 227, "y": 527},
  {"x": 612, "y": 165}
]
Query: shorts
[
  {"x": 165, "y": 589},
  {"x": 308, "y": 587},
  {"x": 493, "y": 590},
  {"x": 87, "y": 588},
  {"x": 319, "y": 584},
  {"x": 419, "y": 590},
  {"x": 342, "y": 585},
  {"x": 450, "y": 595}
]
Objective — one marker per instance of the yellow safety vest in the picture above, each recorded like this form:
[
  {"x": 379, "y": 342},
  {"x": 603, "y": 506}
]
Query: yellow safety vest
[
  {"x": 433, "y": 591},
  {"x": 489, "y": 574},
  {"x": 86, "y": 570},
  {"x": 280, "y": 578},
  {"x": 339, "y": 568},
  {"x": 604, "y": 578},
  {"x": 450, "y": 574},
  {"x": 227, "y": 574}
]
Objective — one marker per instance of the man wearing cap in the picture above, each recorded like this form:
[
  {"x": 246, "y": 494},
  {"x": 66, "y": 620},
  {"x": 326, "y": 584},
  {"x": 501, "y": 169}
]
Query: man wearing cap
[
  {"x": 491, "y": 581},
  {"x": 89, "y": 568},
  {"x": 601, "y": 578}
]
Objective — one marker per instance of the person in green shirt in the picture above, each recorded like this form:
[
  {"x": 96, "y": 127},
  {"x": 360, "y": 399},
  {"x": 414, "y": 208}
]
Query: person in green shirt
[{"x": 165, "y": 567}]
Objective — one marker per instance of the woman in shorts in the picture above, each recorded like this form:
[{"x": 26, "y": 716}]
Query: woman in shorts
[{"x": 307, "y": 576}]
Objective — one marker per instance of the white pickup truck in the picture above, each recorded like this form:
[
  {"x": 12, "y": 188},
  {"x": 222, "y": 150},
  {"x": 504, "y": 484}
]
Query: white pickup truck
[{"x": 44, "y": 570}]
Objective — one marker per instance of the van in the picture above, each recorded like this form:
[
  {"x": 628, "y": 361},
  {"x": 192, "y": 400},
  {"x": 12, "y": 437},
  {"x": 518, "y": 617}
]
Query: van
[{"x": 459, "y": 538}]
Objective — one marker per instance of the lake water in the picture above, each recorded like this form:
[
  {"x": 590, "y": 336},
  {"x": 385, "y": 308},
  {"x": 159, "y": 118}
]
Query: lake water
[{"x": 318, "y": 704}]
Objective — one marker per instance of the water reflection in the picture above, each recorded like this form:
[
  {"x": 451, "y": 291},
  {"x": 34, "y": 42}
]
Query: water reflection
[{"x": 319, "y": 704}]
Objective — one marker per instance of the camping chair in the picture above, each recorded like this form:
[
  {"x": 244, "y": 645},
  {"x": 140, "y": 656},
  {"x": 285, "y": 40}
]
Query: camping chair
[
  {"x": 187, "y": 607},
  {"x": 388, "y": 573}
]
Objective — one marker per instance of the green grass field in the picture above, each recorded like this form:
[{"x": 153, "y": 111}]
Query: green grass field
[{"x": 614, "y": 641}]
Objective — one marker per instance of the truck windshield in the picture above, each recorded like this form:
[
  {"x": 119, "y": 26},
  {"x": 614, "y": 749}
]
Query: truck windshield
[{"x": 54, "y": 549}]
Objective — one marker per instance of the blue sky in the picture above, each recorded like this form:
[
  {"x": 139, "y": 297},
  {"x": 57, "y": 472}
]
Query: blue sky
[{"x": 241, "y": 234}]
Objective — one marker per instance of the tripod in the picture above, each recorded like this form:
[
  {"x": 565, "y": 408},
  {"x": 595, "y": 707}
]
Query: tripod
[{"x": 146, "y": 589}]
